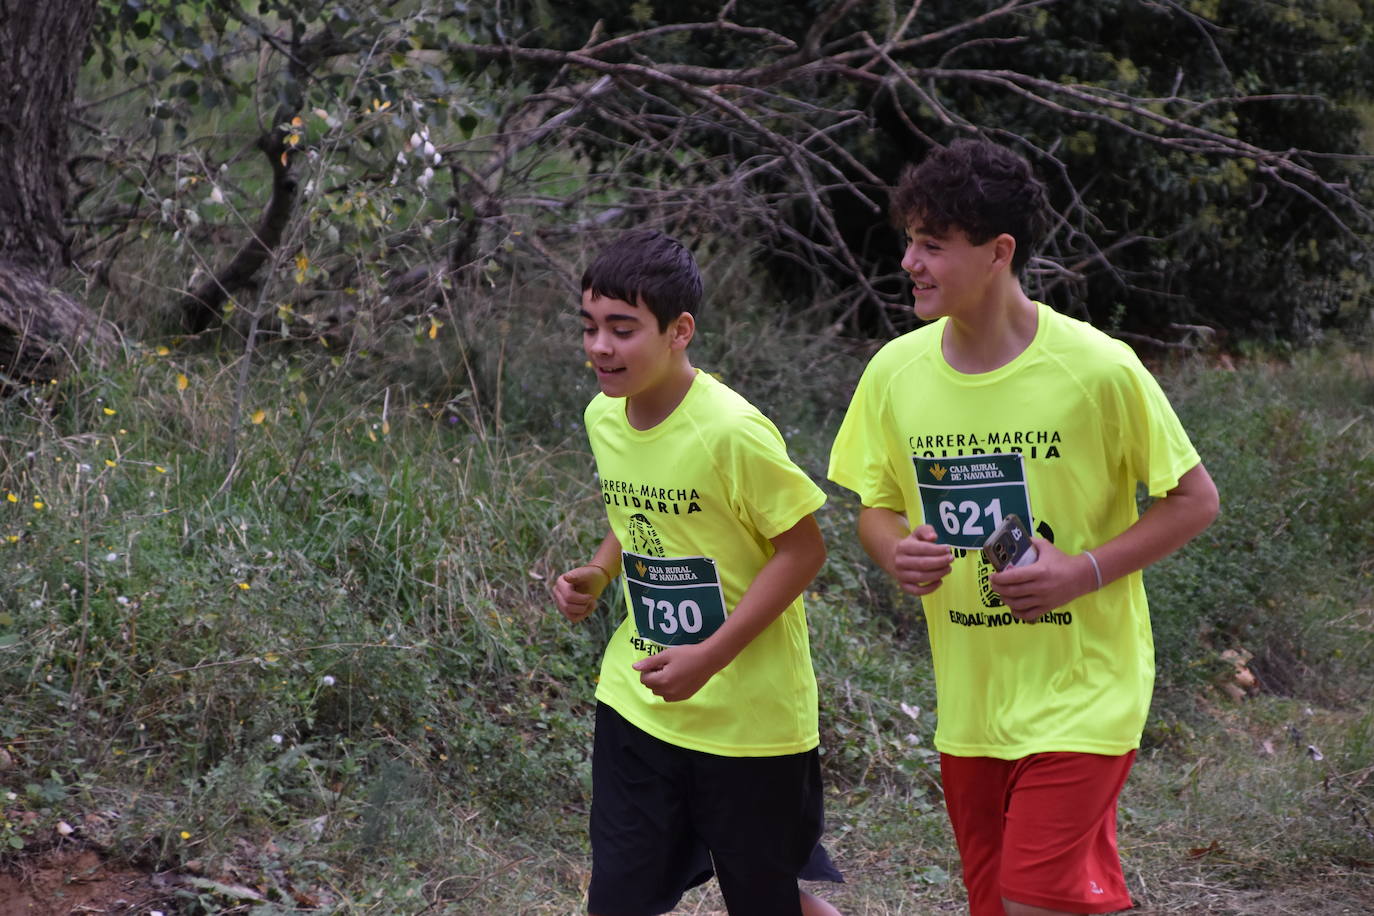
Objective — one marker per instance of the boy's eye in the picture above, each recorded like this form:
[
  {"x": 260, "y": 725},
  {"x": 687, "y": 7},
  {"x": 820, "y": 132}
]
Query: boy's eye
[{"x": 589, "y": 330}]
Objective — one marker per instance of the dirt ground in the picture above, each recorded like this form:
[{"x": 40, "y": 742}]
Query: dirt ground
[{"x": 74, "y": 879}]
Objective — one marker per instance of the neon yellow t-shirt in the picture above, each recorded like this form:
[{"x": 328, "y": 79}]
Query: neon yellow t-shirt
[
  {"x": 1089, "y": 422},
  {"x": 695, "y": 499}
]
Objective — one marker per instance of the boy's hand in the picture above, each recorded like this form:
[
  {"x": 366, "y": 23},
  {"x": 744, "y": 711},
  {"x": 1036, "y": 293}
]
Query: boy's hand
[
  {"x": 577, "y": 590},
  {"x": 1052, "y": 581},
  {"x": 678, "y": 672},
  {"x": 919, "y": 563}
]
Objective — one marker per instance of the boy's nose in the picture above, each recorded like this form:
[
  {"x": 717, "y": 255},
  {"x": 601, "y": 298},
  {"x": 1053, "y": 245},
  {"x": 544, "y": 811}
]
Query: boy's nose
[
  {"x": 910, "y": 262},
  {"x": 600, "y": 342}
]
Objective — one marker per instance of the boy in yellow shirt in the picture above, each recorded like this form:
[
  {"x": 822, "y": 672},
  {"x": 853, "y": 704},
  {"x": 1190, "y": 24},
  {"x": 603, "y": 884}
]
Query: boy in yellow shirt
[
  {"x": 1002, "y": 406},
  {"x": 705, "y": 753}
]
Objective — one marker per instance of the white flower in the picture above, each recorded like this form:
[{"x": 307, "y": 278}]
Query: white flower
[
  {"x": 276, "y": 739},
  {"x": 83, "y": 468},
  {"x": 122, "y": 599},
  {"x": 11, "y": 796},
  {"x": 327, "y": 680},
  {"x": 111, "y": 557},
  {"x": 216, "y": 195}
]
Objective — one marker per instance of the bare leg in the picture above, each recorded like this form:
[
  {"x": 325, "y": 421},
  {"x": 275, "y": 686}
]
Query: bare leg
[{"x": 815, "y": 906}]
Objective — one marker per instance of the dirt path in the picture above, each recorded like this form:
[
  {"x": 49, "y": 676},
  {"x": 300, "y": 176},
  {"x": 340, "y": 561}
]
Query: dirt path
[{"x": 77, "y": 879}]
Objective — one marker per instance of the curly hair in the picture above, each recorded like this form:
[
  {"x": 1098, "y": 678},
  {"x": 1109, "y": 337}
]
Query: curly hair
[
  {"x": 978, "y": 187},
  {"x": 644, "y": 264}
]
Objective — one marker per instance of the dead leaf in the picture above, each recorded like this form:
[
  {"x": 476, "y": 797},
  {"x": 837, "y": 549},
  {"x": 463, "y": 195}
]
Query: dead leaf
[{"x": 1198, "y": 852}]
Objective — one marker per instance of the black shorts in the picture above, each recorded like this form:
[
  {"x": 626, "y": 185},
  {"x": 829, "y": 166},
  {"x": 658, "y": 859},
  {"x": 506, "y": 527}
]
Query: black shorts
[{"x": 664, "y": 818}]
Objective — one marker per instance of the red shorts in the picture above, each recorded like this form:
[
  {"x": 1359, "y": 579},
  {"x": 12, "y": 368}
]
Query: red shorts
[{"x": 1040, "y": 830}]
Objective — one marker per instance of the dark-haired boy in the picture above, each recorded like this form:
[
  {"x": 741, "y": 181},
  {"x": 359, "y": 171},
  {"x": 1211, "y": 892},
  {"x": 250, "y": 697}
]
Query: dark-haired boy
[
  {"x": 999, "y": 406},
  {"x": 705, "y": 754}
]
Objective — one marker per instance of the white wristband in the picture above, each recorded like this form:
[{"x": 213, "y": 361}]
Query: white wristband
[{"x": 1097, "y": 570}]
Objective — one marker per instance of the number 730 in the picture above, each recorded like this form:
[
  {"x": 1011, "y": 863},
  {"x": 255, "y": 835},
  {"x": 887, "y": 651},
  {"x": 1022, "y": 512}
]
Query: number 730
[{"x": 685, "y": 614}]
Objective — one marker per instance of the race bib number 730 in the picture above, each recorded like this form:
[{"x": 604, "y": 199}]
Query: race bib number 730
[
  {"x": 965, "y": 498},
  {"x": 676, "y": 600}
]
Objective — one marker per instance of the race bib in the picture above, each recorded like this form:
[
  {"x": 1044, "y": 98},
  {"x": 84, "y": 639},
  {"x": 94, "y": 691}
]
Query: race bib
[
  {"x": 677, "y": 600},
  {"x": 965, "y": 498}
]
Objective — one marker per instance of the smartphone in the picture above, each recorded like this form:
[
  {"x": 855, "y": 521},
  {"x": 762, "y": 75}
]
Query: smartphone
[{"x": 1009, "y": 545}]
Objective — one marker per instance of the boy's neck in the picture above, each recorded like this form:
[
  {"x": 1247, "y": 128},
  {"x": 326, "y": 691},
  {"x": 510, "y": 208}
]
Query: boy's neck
[
  {"x": 992, "y": 335},
  {"x": 653, "y": 405}
]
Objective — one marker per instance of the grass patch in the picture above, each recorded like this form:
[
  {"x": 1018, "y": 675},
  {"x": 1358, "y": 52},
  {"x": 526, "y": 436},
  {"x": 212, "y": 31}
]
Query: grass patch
[{"x": 288, "y": 628}]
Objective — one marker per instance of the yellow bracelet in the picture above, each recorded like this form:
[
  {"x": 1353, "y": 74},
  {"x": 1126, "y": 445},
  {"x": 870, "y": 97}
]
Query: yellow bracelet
[{"x": 609, "y": 578}]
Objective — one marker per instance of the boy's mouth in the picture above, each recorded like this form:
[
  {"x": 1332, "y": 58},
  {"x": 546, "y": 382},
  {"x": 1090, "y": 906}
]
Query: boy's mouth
[{"x": 921, "y": 287}]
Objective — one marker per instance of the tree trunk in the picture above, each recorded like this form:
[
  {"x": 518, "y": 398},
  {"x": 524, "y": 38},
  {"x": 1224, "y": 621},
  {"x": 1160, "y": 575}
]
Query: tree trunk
[{"x": 42, "y": 330}]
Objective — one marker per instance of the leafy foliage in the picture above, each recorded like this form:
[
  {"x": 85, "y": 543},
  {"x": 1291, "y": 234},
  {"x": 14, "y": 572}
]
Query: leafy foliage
[{"x": 1205, "y": 157}]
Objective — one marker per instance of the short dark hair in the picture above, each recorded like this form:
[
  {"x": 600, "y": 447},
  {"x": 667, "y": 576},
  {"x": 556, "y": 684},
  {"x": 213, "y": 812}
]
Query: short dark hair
[
  {"x": 644, "y": 264},
  {"x": 980, "y": 188}
]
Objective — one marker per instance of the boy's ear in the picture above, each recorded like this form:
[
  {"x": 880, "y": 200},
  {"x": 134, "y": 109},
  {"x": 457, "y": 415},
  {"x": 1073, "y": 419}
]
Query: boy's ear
[
  {"x": 683, "y": 328},
  {"x": 1003, "y": 249}
]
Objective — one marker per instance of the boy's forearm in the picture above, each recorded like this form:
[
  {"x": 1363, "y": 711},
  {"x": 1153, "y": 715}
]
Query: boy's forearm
[
  {"x": 1169, "y": 523},
  {"x": 607, "y": 555},
  {"x": 798, "y": 557},
  {"x": 879, "y": 532}
]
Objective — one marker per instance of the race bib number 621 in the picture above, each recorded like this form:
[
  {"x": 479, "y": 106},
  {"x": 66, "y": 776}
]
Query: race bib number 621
[
  {"x": 965, "y": 498},
  {"x": 676, "y": 600}
]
